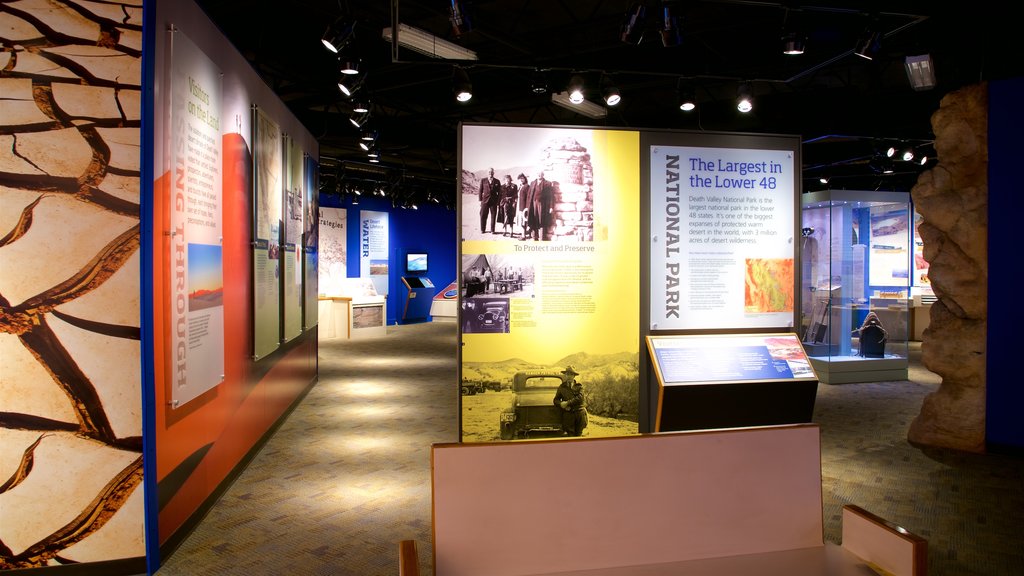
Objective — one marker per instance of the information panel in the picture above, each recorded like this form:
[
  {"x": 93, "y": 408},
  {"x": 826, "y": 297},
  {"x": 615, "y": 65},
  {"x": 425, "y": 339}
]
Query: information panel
[
  {"x": 196, "y": 281},
  {"x": 681, "y": 360},
  {"x": 292, "y": 250},
  {"x": 311, "y": 238},
  {"x": 373, "y": 248},
  {"x": 267, "y": 245},
  {"x": 721, "y": 236}
]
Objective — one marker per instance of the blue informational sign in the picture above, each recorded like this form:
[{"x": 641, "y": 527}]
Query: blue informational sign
[{"x": 729, "y": 358}]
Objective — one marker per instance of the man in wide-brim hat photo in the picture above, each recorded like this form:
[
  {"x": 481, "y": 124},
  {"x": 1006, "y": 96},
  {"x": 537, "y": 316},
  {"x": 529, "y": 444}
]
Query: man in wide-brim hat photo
[{"x": 570, "y": 399}]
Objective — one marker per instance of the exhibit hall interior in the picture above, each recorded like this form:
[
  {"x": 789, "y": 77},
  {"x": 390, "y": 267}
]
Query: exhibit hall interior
[{"x": 325, "y": 288}]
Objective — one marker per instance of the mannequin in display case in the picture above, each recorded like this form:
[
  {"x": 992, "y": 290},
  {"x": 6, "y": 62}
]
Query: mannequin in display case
[{"x": 872, "y": 337}]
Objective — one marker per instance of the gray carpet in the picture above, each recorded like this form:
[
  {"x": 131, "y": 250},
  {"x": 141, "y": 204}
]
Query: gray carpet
[{"x": 348, "y": 474}]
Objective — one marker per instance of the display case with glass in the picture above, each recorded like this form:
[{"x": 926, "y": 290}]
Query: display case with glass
[{"x": 856, "y": 259}]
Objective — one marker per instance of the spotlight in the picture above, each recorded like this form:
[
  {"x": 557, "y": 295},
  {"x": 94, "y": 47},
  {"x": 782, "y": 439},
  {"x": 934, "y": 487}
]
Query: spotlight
[
  {"x": 823, "y": 179},
  {"x": 923, "y": 160},
  {"x": 671, "y": 34},
  {"x": 349, "y": 84},
  {"x": 360, "y": 107},
  {"x": 373, "y": 152},
  {"x": 611, "y": 93},
  {"x": 460, "y": 20},
  {"x": 358, "y": 120},
  {"x": 461, "y": 85},
  {"x": 908, "y": 155},
  {"x": 687, "y": 98},
  {"x": 368, "y": 135},
  {"x": 744, "y": 98},
  {"x": 339, "y": 34},
  {"x": 890, "y": 151},
  {"x": 539, "y": 82},
  {"x": 575, "y": 89},
  {"x": 349, "y": 67},
  {"x": 792, "y": 44},
  {"x": 633, "y": 24}
]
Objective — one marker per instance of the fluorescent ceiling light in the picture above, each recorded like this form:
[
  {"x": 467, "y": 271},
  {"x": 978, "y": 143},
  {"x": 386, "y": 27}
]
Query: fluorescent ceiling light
[
  {"x": 427, "y": 44},
  {"x": 587, "y": 108},
  {"x": 920, "y": 72}
]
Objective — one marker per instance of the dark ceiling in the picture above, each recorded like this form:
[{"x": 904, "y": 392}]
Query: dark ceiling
[{"x": 844, "y": 107}]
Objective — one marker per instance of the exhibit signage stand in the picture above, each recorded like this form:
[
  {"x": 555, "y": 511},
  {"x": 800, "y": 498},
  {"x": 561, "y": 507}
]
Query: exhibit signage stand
[
  {"x": 731, "y": 380},
  {"x": 419, "y": 298}
]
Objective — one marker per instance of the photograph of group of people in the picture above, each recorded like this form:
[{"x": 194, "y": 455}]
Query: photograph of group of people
[
  {"x": 507, "y": 275},
  {"x": 527, "y": 185}
]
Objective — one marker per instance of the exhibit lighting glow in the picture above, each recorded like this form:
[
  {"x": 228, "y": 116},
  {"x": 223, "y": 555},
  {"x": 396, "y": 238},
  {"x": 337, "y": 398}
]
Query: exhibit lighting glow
[
  {"x": 890, "y": 151},
  {"x": 585, "y": 107},
  {"x": 349, "y": 67},
  {"x": 360, "y": 107},
  {"x": 612, "y": 95},
  {"x": 792, "y": 44},
  {"x": 461, "y": 85},
  {"x": 924, "y": 160},
  {"x": 908, "y": 155},
  {"x": 427, "y": 44},
  {"x": 687, "y": 106},
  {"x": 338, "y": 34},
  {"x": 744, "y": 100},
  {"x": 576, "y": 90}
]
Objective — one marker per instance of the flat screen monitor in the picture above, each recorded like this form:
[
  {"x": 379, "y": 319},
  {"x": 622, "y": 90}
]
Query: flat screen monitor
[{"x": 415, "y": 262}]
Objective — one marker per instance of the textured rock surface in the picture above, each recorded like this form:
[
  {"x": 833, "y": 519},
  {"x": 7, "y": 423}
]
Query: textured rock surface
[{"x": 952, "y": 199}]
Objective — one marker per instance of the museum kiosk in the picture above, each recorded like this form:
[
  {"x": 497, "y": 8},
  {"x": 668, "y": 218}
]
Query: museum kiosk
[{"x": 857, "y": 259}]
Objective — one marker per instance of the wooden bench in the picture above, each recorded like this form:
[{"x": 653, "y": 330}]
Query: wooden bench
[{"x": 722, "y": 502}]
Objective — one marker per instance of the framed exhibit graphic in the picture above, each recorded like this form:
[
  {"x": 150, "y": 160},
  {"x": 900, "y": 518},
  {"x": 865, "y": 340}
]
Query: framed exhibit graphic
[
  {"x": 196, "y": 279},
  {"x": 730, "y": 380},
  {"x": 311, "y": 240},
  {"x": 373, "y": 248},
  {"x": 266, "y": 267},
  {"x": 292, "y": 248},
  {"x": 551, "y": 289},
  {"x": 333, "y": 251},
  {"x": 722, "y": 212}
]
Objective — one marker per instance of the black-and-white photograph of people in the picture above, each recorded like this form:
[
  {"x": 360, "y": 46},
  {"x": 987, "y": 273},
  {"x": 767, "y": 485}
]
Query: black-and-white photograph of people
[
  {"x": 527, "y": 184},
  {"x": 505, "y": 275}
]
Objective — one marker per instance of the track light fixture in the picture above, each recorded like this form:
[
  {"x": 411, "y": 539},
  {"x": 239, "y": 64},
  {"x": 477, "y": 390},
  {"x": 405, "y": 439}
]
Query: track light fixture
[
  {"x": 338, "y": 34},
  {"x": 610, "y": 92},
  {"x": 633, "y": 24},
  {"x": 461, "y": 85},
  {"x": 539, "y": 82},
  {"x": 349, "y": 66},
  {"x": 368, "y": 136},
  {"x": 792, "y": 44},
  {"x": 823, "y": 179},
  {"x": 907, "y": 155},
  {"x": 890, "y": 151},
  {"x": 687, "y": 97},
  {"x": 360, "y": 107},
  {"x": 350, "y": 83},
  {"x": 459, "y": 18},
  {"x": 358, "y": 120},
  {"x": 671, "y": 32},
  {"x": 575, "y": 89},
  {"x": 744, "y": 98}
]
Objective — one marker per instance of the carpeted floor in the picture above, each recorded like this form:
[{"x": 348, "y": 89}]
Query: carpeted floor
[{"x": 348, "y": 474}]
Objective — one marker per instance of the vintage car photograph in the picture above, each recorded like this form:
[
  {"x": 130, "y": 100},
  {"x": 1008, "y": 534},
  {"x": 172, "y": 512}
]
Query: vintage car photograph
[
  {"x": 532, "y": 411},
  {"x": 485, "y": 316}
]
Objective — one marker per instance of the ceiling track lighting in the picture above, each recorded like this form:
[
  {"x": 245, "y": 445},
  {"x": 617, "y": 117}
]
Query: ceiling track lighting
[
  {"x": 461, "y": 85},
  {"x": 671, "y": 32},
  {"x": 687, "y": 97},
  {"x": 349, "y": 84},
  {"x": 539, "y": 82},
  {"x": 907, "y": 155},
  {"x": 368, "y": 135},
  {"x": 586, "y": 108},
  {"x": 427, "y": 44},
  {"x": 349, "y": 67},
  {"x": 575, "y": 89},
  {"x": 360, "y": 107},
  {"x": 744, "y": 98},
  {"x": 633, "y": 24},
  {"x": 610, "y": 92},
  {"x": 792, "y": 44},
  {"x": 358, "y": 120},
  {"x": 339, "y": 34}
]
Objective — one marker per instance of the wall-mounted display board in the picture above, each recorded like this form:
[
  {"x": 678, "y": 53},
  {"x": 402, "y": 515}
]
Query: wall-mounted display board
[
  {"x": 332, "y": 251},
  {"x": 728, "y": 380},
  {"x": 292, "y": 249},
  {"x": 721, "y": 220},
  {"x": 311, "y": 240},
  {"x": 266, "y": 266},
  {"x": 196, "y": 278}
]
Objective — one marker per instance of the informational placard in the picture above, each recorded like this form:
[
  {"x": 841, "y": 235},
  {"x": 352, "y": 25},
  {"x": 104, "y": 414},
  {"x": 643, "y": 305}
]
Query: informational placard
[
  {"x": 722, "y": 237},
  {"x": 267, "y": 245},
  {"x": 292, "y": 253},
  {"x": 196, "y": 279},
  {"x": 333, "y": 251},
  {"x": 554, "y": 288},
  {"x": 683, "y": 360},
  {"x": 311, "y": 239},
  {"x": 890, "y": 246},
  {"x": 373, "y": 248}
]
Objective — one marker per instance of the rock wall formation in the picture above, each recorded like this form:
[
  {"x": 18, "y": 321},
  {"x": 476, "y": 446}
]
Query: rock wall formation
[{"x": 952, "y": 199}]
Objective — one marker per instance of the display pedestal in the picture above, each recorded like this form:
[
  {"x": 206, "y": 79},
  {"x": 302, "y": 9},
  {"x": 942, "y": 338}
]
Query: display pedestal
[
  {"x": 347, "y": 317},
  {"x": 731, "y": 380},
  {"x": 419, "y": 296},
  {"x": 847, "y": 369}
]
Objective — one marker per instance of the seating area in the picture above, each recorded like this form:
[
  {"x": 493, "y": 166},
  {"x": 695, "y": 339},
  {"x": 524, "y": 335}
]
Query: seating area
[{"x": 724, "y": 502}]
